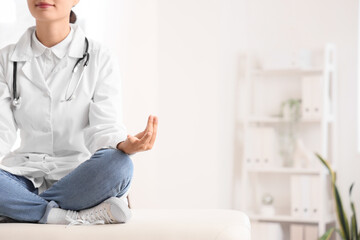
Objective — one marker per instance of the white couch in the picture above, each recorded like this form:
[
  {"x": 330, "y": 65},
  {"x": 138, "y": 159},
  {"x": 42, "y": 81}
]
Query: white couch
[{"x": 149, "y": 224}]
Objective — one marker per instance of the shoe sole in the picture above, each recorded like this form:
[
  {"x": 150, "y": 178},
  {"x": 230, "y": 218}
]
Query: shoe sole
[{"x": 119, "y": 210}]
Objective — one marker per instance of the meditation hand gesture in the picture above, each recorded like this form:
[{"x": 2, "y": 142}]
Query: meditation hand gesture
[{"x": 142, "y": 141}]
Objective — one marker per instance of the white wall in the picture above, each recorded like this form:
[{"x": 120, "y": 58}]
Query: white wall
[
  {"x": 188, "y": 104},
  {"x": 137, "y": 40},
  {"x": 172, "y": 61},
  {"x": 172, "y": 65},
  {"x": 130, "y": 28}
]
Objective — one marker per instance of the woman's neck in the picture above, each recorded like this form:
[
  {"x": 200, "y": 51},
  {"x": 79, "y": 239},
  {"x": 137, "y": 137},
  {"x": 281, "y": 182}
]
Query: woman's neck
[{"x": 51, "y": 33}]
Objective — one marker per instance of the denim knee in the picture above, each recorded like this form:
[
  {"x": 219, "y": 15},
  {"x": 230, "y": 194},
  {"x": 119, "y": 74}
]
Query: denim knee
[{"x": 117, "y": 164}]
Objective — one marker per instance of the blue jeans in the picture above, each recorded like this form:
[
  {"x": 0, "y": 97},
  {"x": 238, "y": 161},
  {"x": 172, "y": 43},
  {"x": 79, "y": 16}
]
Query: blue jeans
[{"x": 108, "y": 173}]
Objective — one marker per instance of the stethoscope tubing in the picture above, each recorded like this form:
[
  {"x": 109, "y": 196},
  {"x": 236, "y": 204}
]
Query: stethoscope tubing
[
  {"x": 77, "y": 84},
  {"x": 16, "y": 99}
]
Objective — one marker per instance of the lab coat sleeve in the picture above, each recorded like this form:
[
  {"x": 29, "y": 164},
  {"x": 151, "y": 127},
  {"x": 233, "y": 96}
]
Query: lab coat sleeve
[
  {"x": 8, "y": 127},
  {"x": 106, "y": 128}
]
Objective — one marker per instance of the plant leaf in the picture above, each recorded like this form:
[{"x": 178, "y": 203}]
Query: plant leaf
[
  {"x": 341, "y": 234},
  {"x": 344, "y": 224},
  {"x": 327, "y": 165},
  {"x": 354, "y": 229},
  {"x": 341, "y": 215},
  {"x": 328, "y": 234},
  {"x": 350, "y": 190}
]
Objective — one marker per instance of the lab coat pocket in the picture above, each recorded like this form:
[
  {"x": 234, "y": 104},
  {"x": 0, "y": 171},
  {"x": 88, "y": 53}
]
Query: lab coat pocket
[
  {"x": 14, "y": 160},
  {"x": 34, "y": 112}
]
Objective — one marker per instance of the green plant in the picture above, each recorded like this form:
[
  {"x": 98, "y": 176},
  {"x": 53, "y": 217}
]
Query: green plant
[
  {"x": 347, "y": 231},
  {"x": 291, "y": 109}
]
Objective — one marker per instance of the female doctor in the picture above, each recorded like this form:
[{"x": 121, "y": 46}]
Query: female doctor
[{"x": 62, "y": 90}]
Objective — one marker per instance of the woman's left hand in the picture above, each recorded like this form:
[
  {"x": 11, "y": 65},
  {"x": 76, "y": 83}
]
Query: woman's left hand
[{"x": 142, "y": 141}]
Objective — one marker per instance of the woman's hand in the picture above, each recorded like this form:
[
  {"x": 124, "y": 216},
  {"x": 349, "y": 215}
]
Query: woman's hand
[{"x": 142, "y": 141}]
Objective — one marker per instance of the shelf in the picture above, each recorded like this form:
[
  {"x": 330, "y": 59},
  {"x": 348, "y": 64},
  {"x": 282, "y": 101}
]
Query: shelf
[
  {"x": 266, "y": 119},
  {"x": 287, "y": 170},
  {"x": 259, "y": 119},
  {"x": 262, "y": 124},
  {"x": 287, "y": 71},
  {"x": 288, "y": 219}
]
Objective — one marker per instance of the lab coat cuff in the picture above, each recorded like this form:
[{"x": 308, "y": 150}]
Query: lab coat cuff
[
  {"x": 115, "y": 147},
  {"x": 116, "y": 140}
]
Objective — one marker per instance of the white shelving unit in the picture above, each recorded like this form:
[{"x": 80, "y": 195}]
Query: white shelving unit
[{"x": 265, "y": 172}]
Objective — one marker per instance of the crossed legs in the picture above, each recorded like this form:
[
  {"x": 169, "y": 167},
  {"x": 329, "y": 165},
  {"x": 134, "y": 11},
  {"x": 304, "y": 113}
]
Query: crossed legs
[{"x": 108, "y": 173}]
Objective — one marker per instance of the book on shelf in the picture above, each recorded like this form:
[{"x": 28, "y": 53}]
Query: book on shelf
[
  {"x": 296, "y": 232},
  {"x": 314, "y": 193},
  {"x": 303, "y": 232},
  {"x": 295, "y": 196},
  {"x": 311, "y": 95},
  {"x": 261, "y": 148},
  {"x": 311, "y": 232},
  {"x": 305, "y": 202}
]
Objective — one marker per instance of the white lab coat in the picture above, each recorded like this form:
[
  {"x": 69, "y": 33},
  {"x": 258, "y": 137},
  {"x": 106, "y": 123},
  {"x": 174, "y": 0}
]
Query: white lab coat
[{"x": 57, "y": 136}]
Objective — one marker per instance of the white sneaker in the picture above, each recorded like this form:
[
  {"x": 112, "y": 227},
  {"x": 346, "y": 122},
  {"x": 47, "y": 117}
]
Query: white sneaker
[{"x": 112, "y": 210}]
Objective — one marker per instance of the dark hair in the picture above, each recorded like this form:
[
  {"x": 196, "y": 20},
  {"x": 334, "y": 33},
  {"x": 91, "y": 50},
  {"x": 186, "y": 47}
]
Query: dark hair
[{"x": 72, "y": 17}]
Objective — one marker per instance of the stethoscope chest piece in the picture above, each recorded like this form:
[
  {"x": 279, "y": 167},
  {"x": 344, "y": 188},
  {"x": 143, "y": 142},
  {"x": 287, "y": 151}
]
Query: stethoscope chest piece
[{"x": 16, "y": 103}]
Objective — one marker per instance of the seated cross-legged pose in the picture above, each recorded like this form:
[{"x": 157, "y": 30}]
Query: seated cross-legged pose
[{"x": 63, "y": 92}]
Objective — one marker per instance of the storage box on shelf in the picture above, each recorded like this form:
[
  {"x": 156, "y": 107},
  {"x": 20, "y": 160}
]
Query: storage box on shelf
[{"x": 290, "y": 114}]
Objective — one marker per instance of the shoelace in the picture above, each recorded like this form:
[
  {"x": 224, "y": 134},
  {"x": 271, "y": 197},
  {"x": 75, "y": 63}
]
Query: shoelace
[
  {"x": 74, "y": 219},
  {"x": 94, "y": 216}
]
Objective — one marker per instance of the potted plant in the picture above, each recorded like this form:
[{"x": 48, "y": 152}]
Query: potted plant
[
  {"x": 348, "y": 227},
  {"x": 290, "y": 112}
]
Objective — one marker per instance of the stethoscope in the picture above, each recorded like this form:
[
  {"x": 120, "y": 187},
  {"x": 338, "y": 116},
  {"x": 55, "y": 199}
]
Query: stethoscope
[{"x": 86, "y": 56}]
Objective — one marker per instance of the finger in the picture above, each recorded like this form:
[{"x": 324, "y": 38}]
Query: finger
[
  {"x": 132, "y": 139},
  {"x": 145, "y": 139},
  {"x": 140, "y": 134},
  {"x": 149, "y": 126},
  {"x": 155, "y": 126}
]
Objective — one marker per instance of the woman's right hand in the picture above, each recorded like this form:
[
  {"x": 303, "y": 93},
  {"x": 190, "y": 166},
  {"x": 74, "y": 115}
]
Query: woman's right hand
[{"x": 142, "y": 141}]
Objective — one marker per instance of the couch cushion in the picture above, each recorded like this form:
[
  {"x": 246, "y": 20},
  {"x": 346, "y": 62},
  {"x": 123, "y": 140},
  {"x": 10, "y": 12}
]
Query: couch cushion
[{"x": 156, "y": 224}]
